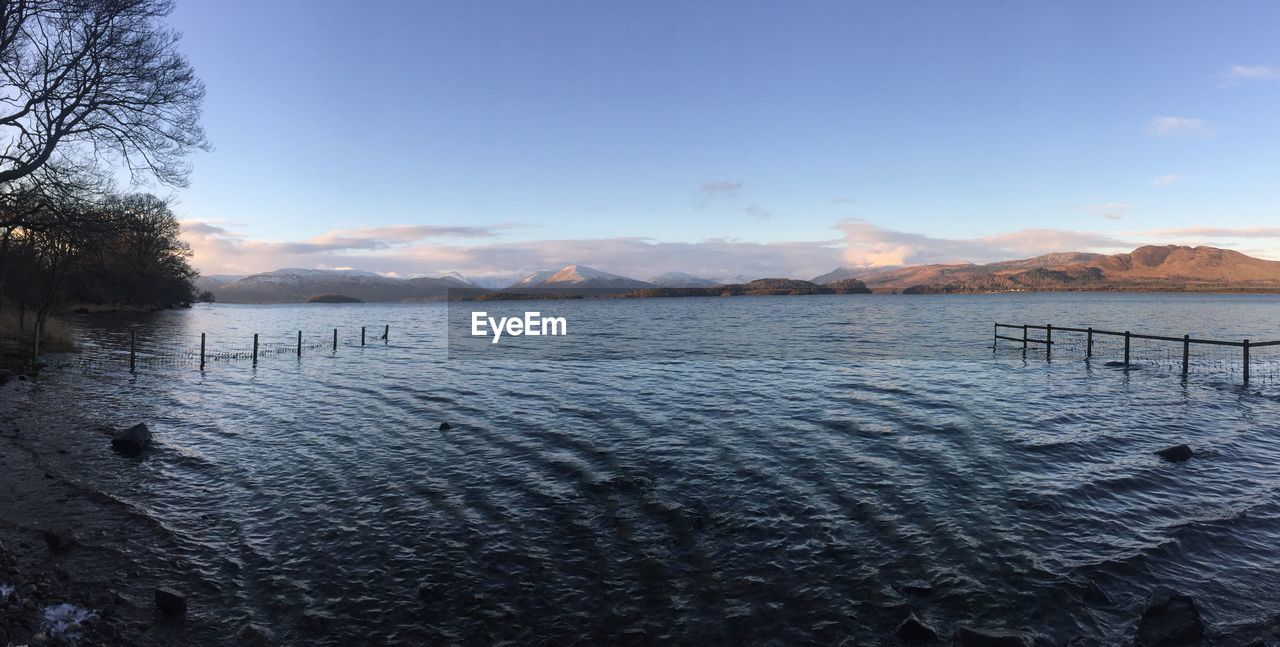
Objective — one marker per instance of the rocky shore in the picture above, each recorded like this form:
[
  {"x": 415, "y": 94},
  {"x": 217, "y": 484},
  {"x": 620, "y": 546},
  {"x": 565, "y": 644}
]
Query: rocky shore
[{"x": 69, "y": 555}]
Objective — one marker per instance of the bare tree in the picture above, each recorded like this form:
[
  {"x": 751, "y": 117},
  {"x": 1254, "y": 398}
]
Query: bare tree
[{"x": 89, "y": 80}]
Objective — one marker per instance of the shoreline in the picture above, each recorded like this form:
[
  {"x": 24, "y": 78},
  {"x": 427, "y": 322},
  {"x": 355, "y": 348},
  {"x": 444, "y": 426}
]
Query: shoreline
[{"x": 63, "y": 543}]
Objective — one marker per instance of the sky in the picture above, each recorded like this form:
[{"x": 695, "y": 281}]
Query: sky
[{"x": 496, "y": 138}]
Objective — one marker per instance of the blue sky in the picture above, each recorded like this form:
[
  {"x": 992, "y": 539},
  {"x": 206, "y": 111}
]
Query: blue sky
[{"x": 726, "y": 137}]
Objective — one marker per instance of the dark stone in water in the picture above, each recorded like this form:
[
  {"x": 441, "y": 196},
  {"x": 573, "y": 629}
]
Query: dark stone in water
[
  {"x": 171, "y": 602},
  {"x": 912, "y": 631},
  {"x": 444, "y": 426},
  {"x": 59, "y": 538},
  {"x": 132, "y": 440},
  {"x": 974, "y": 637},
  {"x": 914, "y": 587},
  {"x": 1171, "y": 618},
  {"x": 1175, "y": 454}
]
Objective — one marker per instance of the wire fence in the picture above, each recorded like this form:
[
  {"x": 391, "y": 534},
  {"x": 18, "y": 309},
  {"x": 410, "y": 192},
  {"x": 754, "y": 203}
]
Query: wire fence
[
  {"x": 136, "y": 350},
  {"x": 1243, "y": 361}
]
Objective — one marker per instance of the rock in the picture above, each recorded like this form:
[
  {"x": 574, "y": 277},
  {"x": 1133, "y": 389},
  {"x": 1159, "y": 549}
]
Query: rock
[
  {"x": 914, "y": 587},
  {"x": 912, "y": 631},
  {"x": 171, "y": 602},
  {"x": 1171, "y": 618},
  {"x": 1175, "y": 454},
  {"x": 974, "y": 637},
  {"x": 254, "y": 635},
  {"x": 59, "y": 538},
  {"x": 133, "y": 440},
  {"x": 444, "y": 426}
]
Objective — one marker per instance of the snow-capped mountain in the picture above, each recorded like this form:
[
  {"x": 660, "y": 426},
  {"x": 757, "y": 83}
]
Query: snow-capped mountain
[
  {"x": 294, "y": 285},
  {"x": 736, "y": 279},
  {"x": 682, "y": 280},
  {"x": 456, "y": 277},
  {"x": 579, "y": 277}
]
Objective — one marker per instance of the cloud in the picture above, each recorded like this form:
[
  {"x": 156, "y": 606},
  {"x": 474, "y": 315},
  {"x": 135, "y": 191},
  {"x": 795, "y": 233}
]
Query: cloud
[
  {"x": 868, "y": 245},
  {"x": 1214, "y": 232},
  {"x": 1166, "y": 126},
  {"x": 758, "y": 213},
  {"x": 1238, "y": 74},
  {"x": 1167, "y": 180},
  {"x": 720, "y": 187},
  {"x": 1111, "y": 210}
]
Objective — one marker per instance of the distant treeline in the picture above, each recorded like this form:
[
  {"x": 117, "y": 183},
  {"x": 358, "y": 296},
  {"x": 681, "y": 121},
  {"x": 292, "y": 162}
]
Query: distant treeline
[
  {"x": 92, "y": 90},
  {"x": 760, "y": 287}
]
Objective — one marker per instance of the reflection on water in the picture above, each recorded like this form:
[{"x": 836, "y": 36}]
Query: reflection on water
[{"x": 699, "y": 493}]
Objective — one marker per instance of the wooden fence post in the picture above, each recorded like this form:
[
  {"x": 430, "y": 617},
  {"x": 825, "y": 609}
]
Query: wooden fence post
[
  {"x": 362, "y": 335},
  {"x": 133, "y": 349},
  {"x": 1186, "y": 355},
  {"x": 335, "y": 340},
  {"x": 1088, "y": 344},
  {"x": 202, "y": 351},
  {"x": 255, "y": 349},
  {"x": 1126, "y": 348},
  {"x": 995, "y": 336},
  {"x": 1048, "y": 340},
  {"x": 1246, "y": 361},
  {"x": 1024, "y": 339},
  {"x": 299, "y": 343},
  {"x": 386, "y": 332}
]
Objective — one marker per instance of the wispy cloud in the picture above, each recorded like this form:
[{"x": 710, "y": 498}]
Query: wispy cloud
[
  {"x": 1239, "y": 74},
  {"x": 868, "y": 245},
  {"x": 1213, "y": 232},
  {"x": 720, "y": 187},
  {"x": 758, "y": 213},
  {"x": 1110, "y": 210},
  {"x": 1168, "y": 126},
  {"x": 1167, "y": 180}
]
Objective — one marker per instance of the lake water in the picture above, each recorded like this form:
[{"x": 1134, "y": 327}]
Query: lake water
[{"x": 763, "y": 469}]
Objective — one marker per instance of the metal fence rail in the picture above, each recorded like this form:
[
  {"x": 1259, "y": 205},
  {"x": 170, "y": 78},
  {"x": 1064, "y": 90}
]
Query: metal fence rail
[
  {"x": 1127, "y": 349},
  {"x": 138, "y": 351}
]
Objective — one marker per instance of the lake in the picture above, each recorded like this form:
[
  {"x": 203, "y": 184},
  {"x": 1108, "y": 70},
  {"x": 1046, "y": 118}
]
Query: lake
[{"x": 758, "y": 469}]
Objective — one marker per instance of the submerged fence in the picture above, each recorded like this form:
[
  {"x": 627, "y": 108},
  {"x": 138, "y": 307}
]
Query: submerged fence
[
  {"x": 1244, "y": 360},
  {"x": 137, "y": 351}
]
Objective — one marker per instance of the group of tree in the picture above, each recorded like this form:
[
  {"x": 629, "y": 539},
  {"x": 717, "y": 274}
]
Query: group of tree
[{"x": 93, "y": 94}]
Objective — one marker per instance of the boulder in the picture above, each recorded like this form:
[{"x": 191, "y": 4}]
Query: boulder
[
  {"x": 913, "y": 632},
  {"x": 133, "y": 440},
  {"x": 171, "y": 602},
  {"x": 1175, "y": 454},
  {"x": 59, "y": 538},
  {"x": 975, "y": 637},
  {"x": 444, "y": 426},
  {"x": 1171, "y": 618},
  {"x": 914, "y": 587}
]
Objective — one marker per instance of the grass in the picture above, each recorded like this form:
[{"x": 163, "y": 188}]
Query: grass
[{"x": 15, "y": 339}]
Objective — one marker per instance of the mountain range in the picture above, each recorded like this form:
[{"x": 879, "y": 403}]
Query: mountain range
[{"x": 1167, "y": 267}]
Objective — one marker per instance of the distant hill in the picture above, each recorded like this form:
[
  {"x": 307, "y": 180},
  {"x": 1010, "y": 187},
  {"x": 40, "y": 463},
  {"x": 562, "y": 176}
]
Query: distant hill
[
  {"x": 838, "y": 274},
  {"x": 332, "y": 298},
  {"x": 297, "y": 285},
  {"x": 578, "y": 277},
  {"x": 682, "y": 280},
  {"x": 1162, "y": 267}
]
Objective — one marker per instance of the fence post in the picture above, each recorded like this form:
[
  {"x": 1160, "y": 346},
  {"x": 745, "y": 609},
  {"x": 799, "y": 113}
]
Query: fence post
[
  {"x": 1088, "y": 344},
  {"x": 1024, "y": 339},
  {"x": 202, "y": 351},
  {"x": 1048, "y": 340},
  {"x": 255, "y": 349},
  {"x": 1246, "y": 361},
  {"x": 299, "y": 343},
  {"x": 1186, "y": 355},
  {"x": 1126, "y": 348},
  {"x": 995, "y": 336},
  {"x": 133, "y": 349},
  {"x": 386, "y": 333},
  {"x": 335, "y": 340},
  {"x": 362, "y": 335}
]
